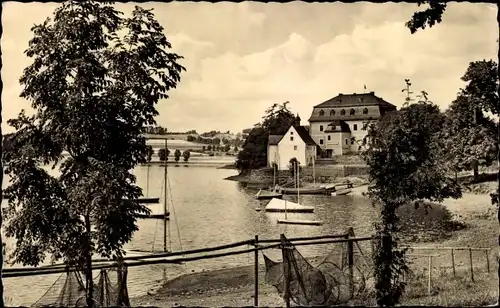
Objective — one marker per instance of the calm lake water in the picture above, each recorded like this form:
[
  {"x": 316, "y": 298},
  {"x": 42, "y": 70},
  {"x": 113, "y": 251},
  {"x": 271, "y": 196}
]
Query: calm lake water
[{"x": 209, "y": 211}]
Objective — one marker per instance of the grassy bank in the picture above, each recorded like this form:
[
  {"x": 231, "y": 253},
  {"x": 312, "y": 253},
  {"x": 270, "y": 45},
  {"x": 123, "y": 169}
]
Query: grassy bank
[{"x": 235, "y": 286}]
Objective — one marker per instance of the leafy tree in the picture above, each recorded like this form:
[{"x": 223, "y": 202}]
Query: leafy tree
[
  {"x": 163, "y": 155},
  {"x": 93, "y": 92},
  {"x": 404, "y": 166},
  {"x": 227, "y": 147},
  {"x": 191, "y": 138},
  {"x": 277, "y": 121},
  {"x": 149, "y": 152},
  {"x": 469, "y": 137},
  {"x": 186, "y": 155},
  {"x": 431, "y": 16},
  {"x": 235, "y": 149},
  {"x": 177, "y": 155}
]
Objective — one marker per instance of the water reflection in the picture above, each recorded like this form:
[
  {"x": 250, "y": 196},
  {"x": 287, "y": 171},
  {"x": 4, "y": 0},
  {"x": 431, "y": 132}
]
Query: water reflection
[{"x": 209, "y": 211}]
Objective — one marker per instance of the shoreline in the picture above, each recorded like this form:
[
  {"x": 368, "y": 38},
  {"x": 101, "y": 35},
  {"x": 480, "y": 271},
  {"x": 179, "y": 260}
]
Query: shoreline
[{"x": 234, "y": 286}]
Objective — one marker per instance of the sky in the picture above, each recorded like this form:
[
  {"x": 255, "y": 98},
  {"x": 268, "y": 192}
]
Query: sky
[{"x": 243, "y": 57}]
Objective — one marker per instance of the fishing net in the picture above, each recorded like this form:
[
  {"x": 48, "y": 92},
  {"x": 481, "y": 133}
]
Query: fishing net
[
  {"x": 326, "y": 284},
  {"x": 110, "y": 290}
]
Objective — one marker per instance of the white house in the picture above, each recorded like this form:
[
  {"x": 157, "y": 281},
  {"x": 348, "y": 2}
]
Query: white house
[
  {"x": 295, "y": 143},
  {"x": 339, "y": 125}
]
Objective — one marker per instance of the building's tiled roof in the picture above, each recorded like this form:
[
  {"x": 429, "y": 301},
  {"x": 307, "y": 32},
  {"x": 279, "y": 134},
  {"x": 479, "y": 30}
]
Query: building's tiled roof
[
  {"x": 355, "y": 99},
  {"x": 301, "y": 130},
  {"x": 274, "y": 139},
  {"x": 304, "y": 134},
  {"x": 337, "y": 126}
]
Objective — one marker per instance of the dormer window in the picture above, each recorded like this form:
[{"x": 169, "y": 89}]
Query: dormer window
[
  {"x": 332, "y": 113},
  {"x": 321, "y": 113},
  {"x": 352, "y": 112},
  {"x": 342, "y": 112},
  {"x": 365, "y": 111}
]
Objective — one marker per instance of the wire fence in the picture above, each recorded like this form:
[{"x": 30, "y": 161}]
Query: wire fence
[{"x": 347, "y": 260}]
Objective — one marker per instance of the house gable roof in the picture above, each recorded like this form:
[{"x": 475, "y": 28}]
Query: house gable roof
[
  {"x": 355, "y": 100},
  {"x": 304, "y": 135},
  {"x": 301, "y": 131},
  {"x": 274, "y": 139}
]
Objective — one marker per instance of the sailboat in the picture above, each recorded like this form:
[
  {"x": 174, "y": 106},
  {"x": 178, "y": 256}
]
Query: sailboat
[
  {"x": 166, "y": 214},
  {"x": 266, "y": 194},
  {"x": 298, "y": 221}
]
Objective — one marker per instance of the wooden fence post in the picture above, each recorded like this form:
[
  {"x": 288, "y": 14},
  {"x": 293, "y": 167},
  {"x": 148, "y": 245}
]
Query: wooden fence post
[
  {"x": 471, "y": 265},
  {"x": 487, "y": 260},
  {"x": 429, "y": 284},
  {"x": 453, "y": 261},
  {"x": 286, "y": 271},
  {"x": 256, "y": 264},
  {"x": 350, "y": 262}
]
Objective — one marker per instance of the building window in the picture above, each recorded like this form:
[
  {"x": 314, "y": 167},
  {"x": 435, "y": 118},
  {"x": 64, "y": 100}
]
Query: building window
[
  {"x": 321, "y": 128},
  {"x": 291, "y": 133},
  {"x": 329, "y": 137},
  {"x": 320, "y": 141},
  {"x": 352, "y": 141},
  {"x": 321, "y": 113},
  {"x": 355, "y": 126},
  {"x": 352, "y": 112},
  {"x": 332, "y": 113},
  {"x": 291, "y": 138},
  {"x": 347, "y": 141},
  {"x": 365, "y": 111},
  {"x": 342, "y": 112},
  {"x": 295, "y": 148}
]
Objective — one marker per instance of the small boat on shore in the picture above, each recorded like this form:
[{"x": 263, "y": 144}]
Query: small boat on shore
[
  {"x": 266, "y": 194},
  {"x": 278, "y": 205},
  {"x": 300, "y": 222},
  {"x": 306, "y": 190},
  {"x": 342, "y": 192}
]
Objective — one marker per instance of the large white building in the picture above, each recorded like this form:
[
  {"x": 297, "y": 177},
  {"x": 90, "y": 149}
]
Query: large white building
[
  {"x": 339, "y": 125},
  {"x": 295, "y": 143}
]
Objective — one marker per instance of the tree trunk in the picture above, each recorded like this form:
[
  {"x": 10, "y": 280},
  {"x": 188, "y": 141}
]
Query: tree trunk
[
  {"x": 2, "y": 304},
  {"x": 476, "y": 172},
  {"x": 498, "y": 157},
  {"x": 89, "y": 278}
]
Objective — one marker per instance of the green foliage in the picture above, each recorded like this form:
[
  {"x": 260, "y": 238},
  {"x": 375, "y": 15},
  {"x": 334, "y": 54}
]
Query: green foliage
[
  {"x": 163, "y": 155},
  {"x": 277, "y": 121},
  {"x": 177, "y": 155},
  {"x": 404, "y": 165},
  {"x": 469, "y": 134},
  {"x": 428, "y": 17},
  {"x": 93, "y": 92},
  {"x": 481, "y": 87},
  {"x": 186, "y": 154},
  {"x": 149, "y": 152}
]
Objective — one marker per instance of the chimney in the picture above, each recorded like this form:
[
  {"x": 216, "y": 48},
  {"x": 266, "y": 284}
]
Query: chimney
[{"x": 372, "y": 93}]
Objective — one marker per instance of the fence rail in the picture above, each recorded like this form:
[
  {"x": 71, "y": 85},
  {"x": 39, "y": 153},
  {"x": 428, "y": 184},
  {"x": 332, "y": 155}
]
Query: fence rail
[{"x": 180, "y": 257}]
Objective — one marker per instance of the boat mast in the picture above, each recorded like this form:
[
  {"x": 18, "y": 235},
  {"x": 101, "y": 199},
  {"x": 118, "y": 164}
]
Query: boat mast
[
  {"x": 298, "y": 186},
  {"x": 165, "y": 212}
]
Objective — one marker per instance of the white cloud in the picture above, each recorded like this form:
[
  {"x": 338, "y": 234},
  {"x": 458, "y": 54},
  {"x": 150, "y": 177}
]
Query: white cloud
[{"x": 231, "y": 79}]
